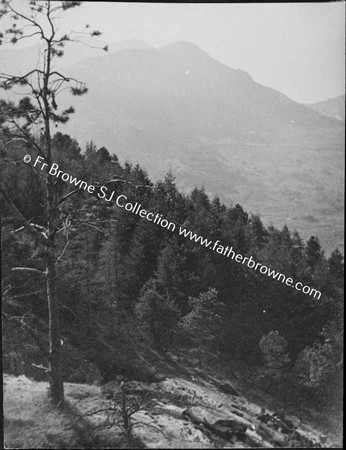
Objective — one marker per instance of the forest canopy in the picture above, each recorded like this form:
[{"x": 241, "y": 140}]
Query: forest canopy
[{"x": 124, "y": 282}]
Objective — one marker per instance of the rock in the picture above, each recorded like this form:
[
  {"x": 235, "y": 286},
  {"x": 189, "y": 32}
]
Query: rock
[
  {"x": 179, "y": 444},
  {"x": 220, "y": 423},
  {"x": 163, "y": 431},
  {"x": 227, "y": 428},
  {"x": 237, "y": 413},
  {"x": 304, "y": 441},
  {"x": 172, "y": 411},
  {"x": 277, "y": 421},
  {"x": 236, "y": 407},
  {"x": 253, "y": 439},
  {"x": 273, "y": 436},
  {"x": 134, "y": 388}
]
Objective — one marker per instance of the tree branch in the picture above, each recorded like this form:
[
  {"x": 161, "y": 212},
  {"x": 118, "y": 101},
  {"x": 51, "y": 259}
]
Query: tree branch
[
  {"x": 67, "y": 196},
  {"x": 50, "y": 22},
  {"x": 32, "y": 332},
  {"x": 27, "y": 137},
  {"x": 29, "y": 269},
  {"x": 62, "y": 253},
  {"x": 93, "y": 226},
  {"x": 35, "y": 24},
  {"x": 41, "y": 367},
  {"x": 42, "y": 238},
  {"x": 99, "y": 410},
  {"x": 69, "y": 309},
  {"x": 12, "y": 79}
]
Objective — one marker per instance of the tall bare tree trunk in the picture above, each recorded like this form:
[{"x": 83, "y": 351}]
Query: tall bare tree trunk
[{"x": 55, "y": 362}]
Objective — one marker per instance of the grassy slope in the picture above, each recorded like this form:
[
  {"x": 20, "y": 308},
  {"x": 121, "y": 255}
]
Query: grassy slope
[{"x": 30, "y": 421}]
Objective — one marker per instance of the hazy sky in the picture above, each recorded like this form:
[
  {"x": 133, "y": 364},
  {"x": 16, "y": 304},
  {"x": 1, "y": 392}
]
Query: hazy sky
[{"x": 296, "y": 48}]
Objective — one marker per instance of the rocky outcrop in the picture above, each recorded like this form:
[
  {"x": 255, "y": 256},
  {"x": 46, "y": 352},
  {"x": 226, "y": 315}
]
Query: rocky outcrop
[
  {"x": 222, "y": 424},
  {"x": 208, "y": 412}
]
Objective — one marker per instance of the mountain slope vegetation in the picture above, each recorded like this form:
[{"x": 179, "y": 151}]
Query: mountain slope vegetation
[
  {"x": 129, "y": 287},
  {"x": 177, "y": 108}
]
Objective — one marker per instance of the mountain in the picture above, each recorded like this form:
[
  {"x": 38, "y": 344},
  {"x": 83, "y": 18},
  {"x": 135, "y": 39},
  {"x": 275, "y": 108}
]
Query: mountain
[
  {"x": 177, "y": 108},
  {"x": 179, "y": 92},
  {"x": 333, "y": 107},
  {"x": 15, "y": 60}
]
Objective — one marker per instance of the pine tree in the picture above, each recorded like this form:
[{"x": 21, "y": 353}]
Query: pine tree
[
  {"x": 313, "y": 252},
  {"x": 336, "y": 264},
  {"x": 33, "y": 115},
  {"x": 257, "y": 234},
  {"x": 203, "y": 324},
  {"x": 157, "y": 315}
]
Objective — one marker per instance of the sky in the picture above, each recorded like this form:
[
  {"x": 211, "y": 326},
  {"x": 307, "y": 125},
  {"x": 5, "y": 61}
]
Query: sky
[{"x": 295, "y": 48}]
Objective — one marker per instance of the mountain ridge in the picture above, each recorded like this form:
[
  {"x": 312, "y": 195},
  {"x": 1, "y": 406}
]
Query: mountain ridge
[
  {"x": 177, "y": 108},
  {"x": 214, "y": 126},
  {"x": 332, "y": 107}
]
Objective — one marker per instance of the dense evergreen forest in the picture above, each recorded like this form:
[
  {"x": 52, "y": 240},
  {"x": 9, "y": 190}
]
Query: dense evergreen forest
[{"x": 126, "y": 285}]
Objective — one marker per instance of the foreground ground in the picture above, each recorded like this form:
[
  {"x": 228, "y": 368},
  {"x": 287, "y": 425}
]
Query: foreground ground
[{"x": 186, "y": 411}]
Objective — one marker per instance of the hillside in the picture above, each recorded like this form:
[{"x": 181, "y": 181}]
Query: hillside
[
  {"x": 147, "y": 304},
  {"x": 190, "y": 408},
  {"x": 333, "y": 107},
  {"x": 177, "y": 108},
  {"x": 168, "y": 278}
]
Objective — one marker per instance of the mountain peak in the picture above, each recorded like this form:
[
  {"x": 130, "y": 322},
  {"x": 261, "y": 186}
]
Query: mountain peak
[{"x": 181, "y": 45}]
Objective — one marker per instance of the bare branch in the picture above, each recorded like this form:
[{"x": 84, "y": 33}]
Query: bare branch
[
  {"x": 99, "y": 410},
  {"x": 27, "y": 137},
  {"x": 39, "y": 227},
  {"x": 32, "y": 333},
  {"x": 69, "y": 309},
  {"x": 137, "y": 422},
  {"x": 87, "y": 45},
  {"x": 12, "y": 79},
  {"x": 29, "y": 269},
  {"x": 23, "y": 295},
  {"x": 63, "y": 252},
  {"x": 27, "y": 36},
  {"x": 119, "y": 180},
  {"x": 26, "y": 224},
  {"x": 35, "y": 24},
  {"x": 41, "y": 367},
  {"x": 50, "y": 21},
  {"x": 67, "y": 196},
  {"x": 6, "y": 290},
  {"x": 92, "y": 226}
]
